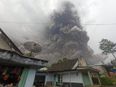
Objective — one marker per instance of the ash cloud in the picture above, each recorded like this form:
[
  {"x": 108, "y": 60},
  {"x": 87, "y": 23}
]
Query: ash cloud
[{"x": 65, "y": 37}]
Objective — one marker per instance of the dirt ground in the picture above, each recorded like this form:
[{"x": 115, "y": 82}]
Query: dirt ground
[
  {"x": 108, "y": 86},
  {"x": 104, "y": 86}
]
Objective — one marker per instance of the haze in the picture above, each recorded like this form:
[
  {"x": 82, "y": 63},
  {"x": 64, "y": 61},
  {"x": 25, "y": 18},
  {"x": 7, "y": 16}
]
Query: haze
[{"x": 26, "y": 19}]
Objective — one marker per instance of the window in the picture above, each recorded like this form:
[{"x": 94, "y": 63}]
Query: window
[{"x": 58, "y": 79}]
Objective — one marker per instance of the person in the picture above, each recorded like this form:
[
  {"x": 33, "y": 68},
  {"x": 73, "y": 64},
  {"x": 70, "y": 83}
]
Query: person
[
  {"x": 9, "y": 85},
  {"x": 1, "y": 85}
]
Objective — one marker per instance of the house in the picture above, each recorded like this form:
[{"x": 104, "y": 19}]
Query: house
[
  {"x": 113, "y": 62},
  {"x": 106, "y": 70},
  {"x": 110, "y": 70},
  {"x": 102, "y": 71},
  {"x": 69, "y": 73},
  {"x": 15, "y": 68}
]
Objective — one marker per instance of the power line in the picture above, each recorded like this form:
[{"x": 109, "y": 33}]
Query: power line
[
  {"x": 36, "y": 23},
  {"x": 101, "y": 24}
]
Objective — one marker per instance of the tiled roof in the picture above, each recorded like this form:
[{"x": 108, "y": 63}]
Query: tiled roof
[
  {"x": 64, "y": 65},
  {"x": 67, "y": 65}
]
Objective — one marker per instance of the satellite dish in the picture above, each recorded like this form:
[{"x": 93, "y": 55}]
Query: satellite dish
[{"x": 32, "y": 46}]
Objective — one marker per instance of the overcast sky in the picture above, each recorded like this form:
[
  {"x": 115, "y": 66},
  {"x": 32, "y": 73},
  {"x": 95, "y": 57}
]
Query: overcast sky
[{"x": 25, "y": 19}]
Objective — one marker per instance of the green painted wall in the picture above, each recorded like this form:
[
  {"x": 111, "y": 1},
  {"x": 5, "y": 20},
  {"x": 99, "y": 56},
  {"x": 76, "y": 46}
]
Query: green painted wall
[
  {"x": 27, "y": 78},
  {"x": 23, "y": 78},
  {"x": 86, "y": 79}
]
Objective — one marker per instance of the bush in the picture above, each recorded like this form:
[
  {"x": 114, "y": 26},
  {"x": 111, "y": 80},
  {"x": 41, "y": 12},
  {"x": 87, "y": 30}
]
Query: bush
[
  {"x": 114, "y": 80},
  {"x": 106, "y": 81}
]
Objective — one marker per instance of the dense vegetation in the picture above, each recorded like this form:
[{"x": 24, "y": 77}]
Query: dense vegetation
[{"x": 108, "y": 80}]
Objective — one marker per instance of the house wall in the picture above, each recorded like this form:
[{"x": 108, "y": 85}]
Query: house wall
[
  {"x": 3, "y": 44},
  {"x": 49, "y": 77},
  {"x": 74, "y": 77},
  {"x": 30, "y": 78},
  {"x": 27, "y": 78},
  {"x": 86, "y": 79}
]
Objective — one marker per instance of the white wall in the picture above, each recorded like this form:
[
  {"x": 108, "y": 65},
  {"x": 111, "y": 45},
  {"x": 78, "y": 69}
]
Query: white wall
[
  {"x": 49, "y": 77},
  {"x": 74, "y": 77}
]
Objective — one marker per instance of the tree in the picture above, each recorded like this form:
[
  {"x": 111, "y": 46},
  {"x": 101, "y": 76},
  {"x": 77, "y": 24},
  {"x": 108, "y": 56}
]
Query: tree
[{"x": 108, "y": 47}]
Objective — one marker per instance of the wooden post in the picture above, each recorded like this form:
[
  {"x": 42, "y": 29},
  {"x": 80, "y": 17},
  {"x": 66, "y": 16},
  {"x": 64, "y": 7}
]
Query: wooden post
[
  {"x": 98, "y": 76},
  {"x": 90, "y": 78}
]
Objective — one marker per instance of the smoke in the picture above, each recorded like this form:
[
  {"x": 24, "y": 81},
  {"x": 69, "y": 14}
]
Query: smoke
[
  {"x": 65, "y": 37},
  {"x": 22, "y": 20}
]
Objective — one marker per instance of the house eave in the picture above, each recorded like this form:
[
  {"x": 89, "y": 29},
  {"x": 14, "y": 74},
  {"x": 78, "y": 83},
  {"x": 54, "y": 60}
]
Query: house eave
[
  {"x": 71, "y": 70},
  {"x": 13, "y": 58}
]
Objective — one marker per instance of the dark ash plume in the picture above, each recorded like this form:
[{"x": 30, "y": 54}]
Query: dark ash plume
[{"x": 65, "y": 37}]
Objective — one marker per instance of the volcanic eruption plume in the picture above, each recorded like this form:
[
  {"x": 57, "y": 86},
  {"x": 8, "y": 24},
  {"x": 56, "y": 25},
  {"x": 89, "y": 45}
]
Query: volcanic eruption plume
[{"x": 65, "y": 37}]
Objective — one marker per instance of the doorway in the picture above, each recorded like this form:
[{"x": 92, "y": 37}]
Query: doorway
[{"x": 39, "y": 81}]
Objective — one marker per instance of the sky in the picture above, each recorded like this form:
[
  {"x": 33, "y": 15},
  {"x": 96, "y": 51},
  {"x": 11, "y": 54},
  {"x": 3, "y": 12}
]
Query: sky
[{"x": 25, "y": 19}]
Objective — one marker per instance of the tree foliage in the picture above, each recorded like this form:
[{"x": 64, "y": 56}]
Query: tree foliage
[
  {"x": 108, "y": 47},
  {"x": 106, "y": 81}
]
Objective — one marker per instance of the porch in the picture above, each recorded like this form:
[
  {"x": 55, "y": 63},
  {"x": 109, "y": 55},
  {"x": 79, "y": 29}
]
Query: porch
[{"x": 17, "y": 70}]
